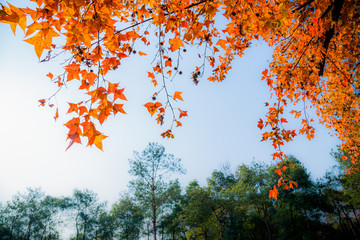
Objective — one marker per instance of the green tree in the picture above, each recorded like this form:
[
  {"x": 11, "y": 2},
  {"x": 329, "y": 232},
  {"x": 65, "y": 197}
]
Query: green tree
[
  {"x": 298, "y": 211},
  {"x": 197, "y": 216},
  {"x": 171, "y": 226},
  {"x": 253, "y": 184},
  {"x": 129, "y": 218},
  {"x": 341, "y": 190},
  {"x": 152, "y": 168},
  {"x": 86, "y": 211},
  {"x": 106, "y": 227},
  {"x": 223, "y": 203},
  {"x": 213, "y": 211},
  {"x": 31, "y": 215}
]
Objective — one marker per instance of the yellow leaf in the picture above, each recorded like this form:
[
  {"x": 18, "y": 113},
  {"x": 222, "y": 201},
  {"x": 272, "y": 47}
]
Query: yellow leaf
[
  {"x": 98, "y": 141},
  {"x": 38, "y": 43},
  {"x": 22, "y": 16}
]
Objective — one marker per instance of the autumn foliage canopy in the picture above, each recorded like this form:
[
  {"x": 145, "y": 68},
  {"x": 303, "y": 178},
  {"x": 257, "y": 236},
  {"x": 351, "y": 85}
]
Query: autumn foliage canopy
[{"x": 315, "y": 58}]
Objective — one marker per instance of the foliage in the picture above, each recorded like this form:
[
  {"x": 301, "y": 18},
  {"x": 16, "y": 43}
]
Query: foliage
[
  {"x": 86, "y": 210},
  {"x": 315, "y": 58},
  {"x": 342, "y": 193},
  {"x": 231, "y": 205},
  {"x": 129, "y": 217},
  {"x": 151, "y": 168},
  {"x": 30, "y": 216}
]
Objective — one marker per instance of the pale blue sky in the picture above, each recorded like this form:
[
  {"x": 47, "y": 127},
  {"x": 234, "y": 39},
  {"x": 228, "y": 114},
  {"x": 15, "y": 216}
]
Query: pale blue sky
[{"x": 221, "y": 127}]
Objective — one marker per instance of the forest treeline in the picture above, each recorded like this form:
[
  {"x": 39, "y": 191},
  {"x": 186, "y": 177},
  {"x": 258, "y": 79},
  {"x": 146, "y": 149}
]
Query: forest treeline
[{"x": 234, "y": 204}]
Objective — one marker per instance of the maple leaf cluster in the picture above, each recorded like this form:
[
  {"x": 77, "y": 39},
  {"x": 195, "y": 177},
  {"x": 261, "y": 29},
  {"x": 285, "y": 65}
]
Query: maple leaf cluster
[{"x": 315, "y": 58}]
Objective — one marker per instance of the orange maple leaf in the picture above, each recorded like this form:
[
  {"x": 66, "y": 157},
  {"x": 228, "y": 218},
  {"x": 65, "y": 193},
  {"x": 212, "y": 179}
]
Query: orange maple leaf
[
  {"x": 154, "y": 82},
  {"x": 82, "y": 110},
  {"x": 178, "y": 124},
  {"x": 264, "y": 74},
  {"x": 74, "y": 131},
  {"x": 94, "y": 113},
  {"x": 182, "y": 113},
  {"x": 73, "y": 108},
  {"x": 152, "y": 107},
  {"x": 73, "y": 71},
  {"x": 73, "y": 67},
  {"x": 292, "y": 184},
  {"x": 56, "y": 114},
  {"x": 273, "y": 193},
  {"x": 151, "y": 75},
  {"x": 283, "y": 120},
  {"x": 113, "y": 87},
  {"x": 119, "y": 94},
  {"x": 15, "y": 17},
  {"x": 42, "y": 102},
  {"x": 118, "y": 108},
  {"x": 39, "y": 44},
  {"x": 50, "y": 75},
  {"x": 167, "y": 134},
  {"x": 222, "y": 43},
  {"x": 278, "y": 171},
  {"x": 176, "y": 43},
  {"x": 260, "y": 124},
  {"x": 91, "y": 77},
  {"x": 104, "y": 113},
  {"x": 168, "y": 63},
  {"x": 98, "y": 141},
  {"x": 177, "y": 95},
  {"x": 8, "y": 16},
  {"x": 74, "y": 138}
]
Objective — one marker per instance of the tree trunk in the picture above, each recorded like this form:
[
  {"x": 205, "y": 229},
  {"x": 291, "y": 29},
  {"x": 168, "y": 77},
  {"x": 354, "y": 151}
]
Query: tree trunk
[
  {"x": 148, "y": 232},
  {"x": 267, "y": 222},
  {"x": 293, "y": 223},
  {"x": 356, "y": 216},
  {"x": 206, "y": 235},
  {"x": 307, "y": 219},
  {"x": 350, "y": 223},
  {"x": 29, "y": 230},
  {"x": 252, "y": 235},
  {"x": 162, "y": 232},
  {"x": 84, "y": 231},
  {"x": 154, "y": 220},
  {"x": 335, "y": 15},
  {"x": 77, "y": 227},
  {"x": 221, "y": 230},
  {"x": 153, "y": 206}
]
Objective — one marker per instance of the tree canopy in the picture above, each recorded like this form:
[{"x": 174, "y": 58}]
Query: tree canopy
[
  {"x": 315, "y": 58},
  {"x": 152, "y": 168},
  {"x": 233, "y": 204}
]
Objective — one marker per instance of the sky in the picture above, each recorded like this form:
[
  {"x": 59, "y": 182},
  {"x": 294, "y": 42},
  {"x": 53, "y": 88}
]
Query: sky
[{"x": 221, "y": 126}]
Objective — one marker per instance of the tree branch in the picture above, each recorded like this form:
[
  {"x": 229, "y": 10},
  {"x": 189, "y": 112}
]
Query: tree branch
[{"x": 335, "y": 15}]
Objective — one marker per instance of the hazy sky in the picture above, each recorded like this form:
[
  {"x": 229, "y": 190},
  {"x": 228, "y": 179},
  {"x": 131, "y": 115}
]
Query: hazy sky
[{"x": 221, "y": 126}]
